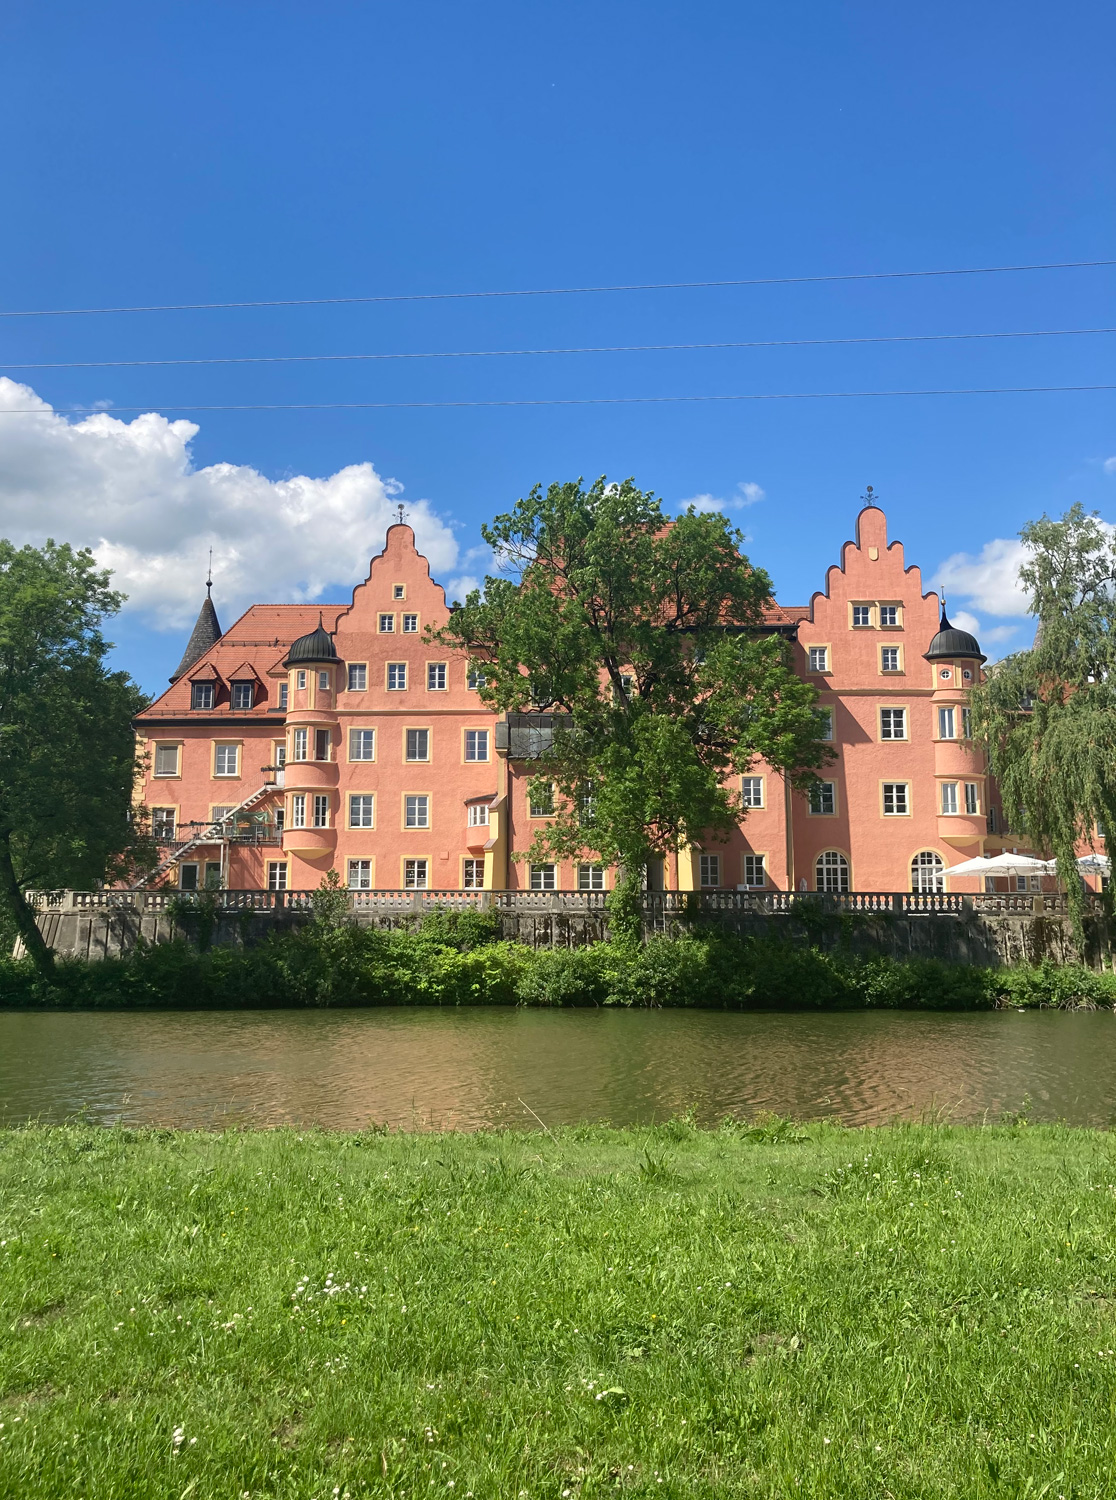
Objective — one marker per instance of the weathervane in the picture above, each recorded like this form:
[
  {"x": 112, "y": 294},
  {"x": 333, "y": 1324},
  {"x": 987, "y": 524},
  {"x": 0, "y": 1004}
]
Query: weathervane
[
  {"x": 209, "y": 574},
  {"x": 401, "y": 513},
  {"x": 869, "y": 496}
]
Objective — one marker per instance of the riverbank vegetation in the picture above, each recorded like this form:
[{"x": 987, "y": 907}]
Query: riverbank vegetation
[
  {"x": 756, "y": 1310},
  {"x": 458, "y": 959}
]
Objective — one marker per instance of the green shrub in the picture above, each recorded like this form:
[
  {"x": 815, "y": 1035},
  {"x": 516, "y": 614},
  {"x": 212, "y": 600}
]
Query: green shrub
[
  {"x": 563, "y": 976},
  {"x": 457, "y": 958}
]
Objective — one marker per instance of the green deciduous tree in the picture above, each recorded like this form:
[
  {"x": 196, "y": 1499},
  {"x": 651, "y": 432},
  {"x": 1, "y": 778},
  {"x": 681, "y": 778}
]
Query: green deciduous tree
[
  {"x": 1047, "y": 716},
  {"x": 647, "y": 636},
  {"x": 67, "y": 749}
]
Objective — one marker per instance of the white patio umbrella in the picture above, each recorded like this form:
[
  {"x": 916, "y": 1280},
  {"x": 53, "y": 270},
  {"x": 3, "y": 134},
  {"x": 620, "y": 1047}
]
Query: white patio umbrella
[
  {"x": 1003, "y": 864},
  {"x": 1094, "y": 864}
]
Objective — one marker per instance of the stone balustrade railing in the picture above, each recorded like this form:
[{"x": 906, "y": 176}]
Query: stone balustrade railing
[{"x": 658, "y": 905}]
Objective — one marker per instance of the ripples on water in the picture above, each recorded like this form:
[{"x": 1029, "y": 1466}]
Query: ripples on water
[{"x": 460, "y": 1069}]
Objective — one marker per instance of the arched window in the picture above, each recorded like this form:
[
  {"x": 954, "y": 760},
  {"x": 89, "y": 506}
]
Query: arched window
[
  {"x": 927, "y": 871},
  {"x": 831, "y": 872}
]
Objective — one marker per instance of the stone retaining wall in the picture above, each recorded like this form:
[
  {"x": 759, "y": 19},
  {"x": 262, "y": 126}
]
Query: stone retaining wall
[{"x": 961, "y": 935}]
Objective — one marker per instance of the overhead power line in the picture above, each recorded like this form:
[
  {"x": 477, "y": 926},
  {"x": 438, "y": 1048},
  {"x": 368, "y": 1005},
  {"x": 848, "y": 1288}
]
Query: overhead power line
[
  {"x": 553, "y": 291},
  {"x": 989, "y": 390},
  {"x": 288, "y": 359}
]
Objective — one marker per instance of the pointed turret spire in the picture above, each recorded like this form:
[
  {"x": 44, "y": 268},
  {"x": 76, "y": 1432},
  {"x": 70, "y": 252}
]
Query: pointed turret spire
[{"x": 206, "y": 631}]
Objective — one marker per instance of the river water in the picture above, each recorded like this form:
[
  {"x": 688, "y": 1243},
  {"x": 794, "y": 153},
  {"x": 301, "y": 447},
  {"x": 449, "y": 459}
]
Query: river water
[{"x": 463, "y": 1069}]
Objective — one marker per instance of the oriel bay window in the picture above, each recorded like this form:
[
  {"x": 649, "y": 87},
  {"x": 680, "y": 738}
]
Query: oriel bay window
[
  {"x": 972, "y": 797},
  {"x": 298, "y": 810},
  {"x": 321, "y": 811},
  {"x": 298, "y": 743},
  {"x": 949, "y": 797},
  {"x": 322, "y": 744},
  {"x": 947, "y": 724},
  {"x": 478, "y": 815}
]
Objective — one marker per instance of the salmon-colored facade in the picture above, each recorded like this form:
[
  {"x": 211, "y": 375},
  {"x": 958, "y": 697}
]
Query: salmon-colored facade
[{"x": 305, "y": 739}]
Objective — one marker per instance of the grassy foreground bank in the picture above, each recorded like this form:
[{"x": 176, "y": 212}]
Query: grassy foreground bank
[
  {"x": 763, "y": 1311},
  {"x": 457, "y": 959}
]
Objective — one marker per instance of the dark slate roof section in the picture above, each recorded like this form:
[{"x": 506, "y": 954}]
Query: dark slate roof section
[
  {"x": 317, "y": 646},
  {"x": 205, "y": 634},
  {"x": 950, "y": 644}
]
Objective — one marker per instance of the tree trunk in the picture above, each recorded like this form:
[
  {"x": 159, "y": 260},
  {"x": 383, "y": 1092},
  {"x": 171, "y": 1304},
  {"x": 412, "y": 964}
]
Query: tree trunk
[{"x": 11, "y": 895}]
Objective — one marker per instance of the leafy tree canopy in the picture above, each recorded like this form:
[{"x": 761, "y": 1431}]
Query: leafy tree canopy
[
  {"x": 67, "y": 750},
  {"x": 646, "y": 634},
  {"x": 1047, "y": 716}
]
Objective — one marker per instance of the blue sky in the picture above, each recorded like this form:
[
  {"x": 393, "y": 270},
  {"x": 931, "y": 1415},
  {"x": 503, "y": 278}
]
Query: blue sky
[{"x": 219, "y": 153}]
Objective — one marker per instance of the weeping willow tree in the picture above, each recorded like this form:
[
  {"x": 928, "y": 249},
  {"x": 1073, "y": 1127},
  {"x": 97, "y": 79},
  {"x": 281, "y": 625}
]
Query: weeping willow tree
[{"x": 1047, "y": 717}]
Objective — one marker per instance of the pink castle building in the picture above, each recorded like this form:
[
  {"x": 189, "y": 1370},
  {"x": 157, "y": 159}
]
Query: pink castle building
[{"x": 305, "y": 739}]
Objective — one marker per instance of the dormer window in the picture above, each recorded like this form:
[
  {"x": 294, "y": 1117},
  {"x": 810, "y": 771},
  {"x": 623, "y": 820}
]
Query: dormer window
[
  {"x": 243, "y": 694},
  {"x": 201, "y": 695}
]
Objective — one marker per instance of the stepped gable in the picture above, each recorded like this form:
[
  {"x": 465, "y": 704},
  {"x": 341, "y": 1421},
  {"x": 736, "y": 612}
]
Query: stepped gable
[{"x": 256, "y": 643}]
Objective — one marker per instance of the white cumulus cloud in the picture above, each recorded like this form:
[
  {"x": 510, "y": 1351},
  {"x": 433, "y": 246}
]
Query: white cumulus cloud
[
  {"x": 989, "y": 582},
  {"x": 131, "y": 492},
  {"x": 746, "y": 493},
  {"x": 1110, "y": 465}
]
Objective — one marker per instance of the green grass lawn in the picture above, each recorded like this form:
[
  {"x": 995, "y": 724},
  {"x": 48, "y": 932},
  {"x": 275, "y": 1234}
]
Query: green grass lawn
[{"x": 669, "y": 1312}]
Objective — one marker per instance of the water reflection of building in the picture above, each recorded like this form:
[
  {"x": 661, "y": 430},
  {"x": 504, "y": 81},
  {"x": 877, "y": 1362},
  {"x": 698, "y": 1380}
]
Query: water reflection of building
[{"x": 307, "y": 738}]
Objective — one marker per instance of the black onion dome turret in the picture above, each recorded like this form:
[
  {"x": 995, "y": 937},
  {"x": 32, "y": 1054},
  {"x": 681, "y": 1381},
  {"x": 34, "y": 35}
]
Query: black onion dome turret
[
  {"x": 315, "y": 647},
  {"x": 951, "y": 644}
]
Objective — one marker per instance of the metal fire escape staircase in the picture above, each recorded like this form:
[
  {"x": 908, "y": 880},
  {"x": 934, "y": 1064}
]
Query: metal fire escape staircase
[{"x": 212, "y": 833}]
